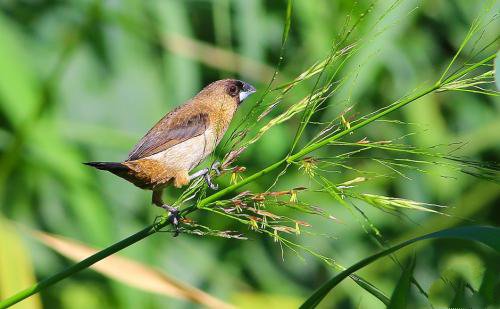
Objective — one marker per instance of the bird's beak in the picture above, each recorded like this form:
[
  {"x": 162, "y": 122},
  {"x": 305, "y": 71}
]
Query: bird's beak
[{"x": 246, "y": 91}]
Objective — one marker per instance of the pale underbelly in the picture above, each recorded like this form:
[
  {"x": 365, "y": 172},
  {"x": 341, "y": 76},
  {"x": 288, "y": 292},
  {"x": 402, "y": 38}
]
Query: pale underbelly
[{"x": 189, "y": 154}]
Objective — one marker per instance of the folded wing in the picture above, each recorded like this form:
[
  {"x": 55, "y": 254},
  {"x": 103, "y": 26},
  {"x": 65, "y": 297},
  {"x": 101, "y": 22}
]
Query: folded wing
[{"x": 176, "y": 127}]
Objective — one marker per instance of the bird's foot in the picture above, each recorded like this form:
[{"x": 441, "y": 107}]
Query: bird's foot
[
  {"x": 208, "y": 180},
  {"x": 173, "y": 217},
  {"x": 206, "y": 175},
  {"x": 216, "y": 168}
]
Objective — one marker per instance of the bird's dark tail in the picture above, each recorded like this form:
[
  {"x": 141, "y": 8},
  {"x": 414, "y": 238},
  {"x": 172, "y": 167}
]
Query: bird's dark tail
[
  {"x": 125, "y": 171},
  {"x": 113, "y": 167}
]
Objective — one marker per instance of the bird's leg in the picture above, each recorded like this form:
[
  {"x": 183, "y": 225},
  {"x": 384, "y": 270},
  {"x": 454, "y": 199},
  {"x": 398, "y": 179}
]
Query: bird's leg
[
  {"x": 173, "y": 216},
  {"x": 206, "y": 174},
  {"x": 198, "y": 174}
]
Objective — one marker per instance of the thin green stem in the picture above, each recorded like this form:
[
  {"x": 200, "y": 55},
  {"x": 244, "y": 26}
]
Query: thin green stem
[
  {"x": 469, "y": 35},
  {"x": 216, "y": 196},
  {"x": 394, "y": 107},
  {"x": 456, "y": 76},
  {"x": 73, "y": 269},
  {"x": 335, "y": 137}
]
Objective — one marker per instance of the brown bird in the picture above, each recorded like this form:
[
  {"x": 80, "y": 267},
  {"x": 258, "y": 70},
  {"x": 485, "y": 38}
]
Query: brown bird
[{"x": 180, "y": 141}]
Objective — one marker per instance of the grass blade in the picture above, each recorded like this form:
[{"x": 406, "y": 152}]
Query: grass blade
[
  {"x": 489, "y": 236},
  {"x": 370, "y": 288},
  {"x": 130, "y": 272},
  {"x": 288, "y": 22},
  {"x": 399, "y": 297}
]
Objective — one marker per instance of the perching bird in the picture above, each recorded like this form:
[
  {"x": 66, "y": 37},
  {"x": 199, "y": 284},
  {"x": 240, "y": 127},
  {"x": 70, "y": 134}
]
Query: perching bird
[{"x": 181, "y": 140}]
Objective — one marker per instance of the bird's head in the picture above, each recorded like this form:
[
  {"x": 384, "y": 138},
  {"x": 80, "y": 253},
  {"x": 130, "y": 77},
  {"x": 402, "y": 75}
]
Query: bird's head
[{"x": 232, "y": 91}]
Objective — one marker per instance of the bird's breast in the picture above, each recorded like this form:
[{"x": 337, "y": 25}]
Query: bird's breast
[{"x": 188, "y": 154}]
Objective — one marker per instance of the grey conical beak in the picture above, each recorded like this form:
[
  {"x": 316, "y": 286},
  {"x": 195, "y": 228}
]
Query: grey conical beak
[{"x": 246, "y": 90}]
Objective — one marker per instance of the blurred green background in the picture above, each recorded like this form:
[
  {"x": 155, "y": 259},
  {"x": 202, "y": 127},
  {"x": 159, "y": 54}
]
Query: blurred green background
[{"x": 84, "y": 80}]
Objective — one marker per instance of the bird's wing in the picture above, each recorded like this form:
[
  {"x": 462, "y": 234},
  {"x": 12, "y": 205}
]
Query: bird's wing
[{"x": 176, "y": 127}]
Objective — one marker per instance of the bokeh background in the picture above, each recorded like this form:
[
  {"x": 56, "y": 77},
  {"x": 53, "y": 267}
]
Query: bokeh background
[{"x": 84, "y": 80}]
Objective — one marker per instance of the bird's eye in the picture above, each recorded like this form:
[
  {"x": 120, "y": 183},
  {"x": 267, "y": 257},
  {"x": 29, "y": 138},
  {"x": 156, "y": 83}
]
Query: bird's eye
[{"x": 233, "y": 90}]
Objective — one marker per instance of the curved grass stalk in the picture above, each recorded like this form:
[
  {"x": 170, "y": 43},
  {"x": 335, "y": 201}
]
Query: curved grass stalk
[{"x": 482, "y": 234}]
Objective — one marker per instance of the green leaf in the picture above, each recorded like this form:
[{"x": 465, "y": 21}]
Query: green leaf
[
  {"x": 288, "y": 22},
  {"x": 370, "y": 288},
  {"x": 399, "y": 297},
  {"x": 489, "y": 236}
]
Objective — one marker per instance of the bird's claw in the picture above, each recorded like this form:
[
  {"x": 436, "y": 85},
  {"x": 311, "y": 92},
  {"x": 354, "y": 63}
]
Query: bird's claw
[
  {"x": 208, "y": 180},
  {"x": 173, "y": 217},
  {"x": 216, "y": 167},
  {"x": 206, "y": 175}
]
